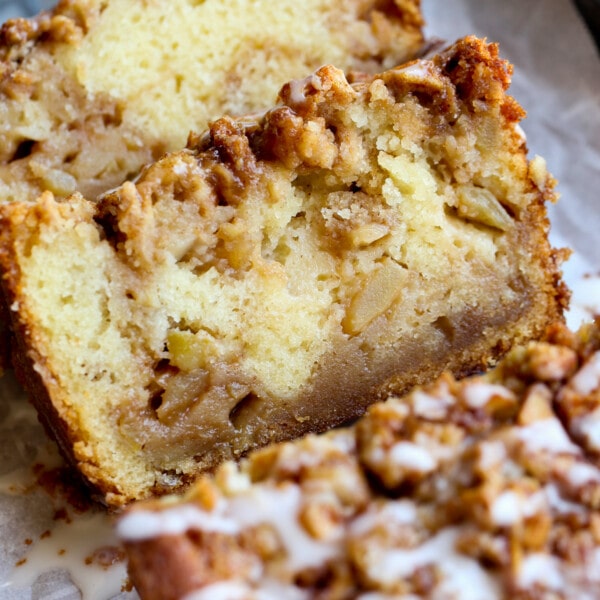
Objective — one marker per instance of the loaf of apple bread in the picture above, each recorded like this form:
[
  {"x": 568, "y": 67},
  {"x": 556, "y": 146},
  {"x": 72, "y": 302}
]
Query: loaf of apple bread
[
  {"x": 484, "y": 488},
  {"x": 94, "y": 89},
  {"x": 284, "y": 271}
]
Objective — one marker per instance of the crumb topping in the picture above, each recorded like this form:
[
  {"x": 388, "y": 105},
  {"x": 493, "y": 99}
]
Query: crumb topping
[
  {"x": 485, "y": 487},
  {"x": 287, "y": 269}
]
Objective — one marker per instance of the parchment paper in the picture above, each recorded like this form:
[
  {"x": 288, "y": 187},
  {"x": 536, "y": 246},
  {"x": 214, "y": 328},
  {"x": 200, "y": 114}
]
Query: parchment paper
[{"x": 557, "y": 80}]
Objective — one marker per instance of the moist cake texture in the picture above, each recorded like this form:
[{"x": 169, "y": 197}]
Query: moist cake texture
[
  {"x": 94, "y": 89},
  {"x": 487, "y": 487},
  {"x": 284, "y": 271}
]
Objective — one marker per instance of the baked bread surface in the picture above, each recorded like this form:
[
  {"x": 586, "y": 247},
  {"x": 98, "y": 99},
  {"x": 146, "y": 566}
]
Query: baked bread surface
[
  {"x": 93, "y": 90},
  {"x": 487, "y": 487},
  {"x": 284, "y": 271}
]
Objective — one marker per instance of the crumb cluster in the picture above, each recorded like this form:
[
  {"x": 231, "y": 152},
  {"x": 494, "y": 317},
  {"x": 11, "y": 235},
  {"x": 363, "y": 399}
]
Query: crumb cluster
[{"x": 482, "y": 487}]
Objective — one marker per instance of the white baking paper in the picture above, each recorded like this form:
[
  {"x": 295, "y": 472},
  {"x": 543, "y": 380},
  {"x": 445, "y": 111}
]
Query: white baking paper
[{"x": 556, "y": 79}]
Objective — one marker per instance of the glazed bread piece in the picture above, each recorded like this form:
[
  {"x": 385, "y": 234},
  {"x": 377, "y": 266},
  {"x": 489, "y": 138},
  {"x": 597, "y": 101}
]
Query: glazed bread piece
[
  {"x": 94, "y": 89},
  {"x": 283, "y": 272},
  {"x": 487, "y": 487}
]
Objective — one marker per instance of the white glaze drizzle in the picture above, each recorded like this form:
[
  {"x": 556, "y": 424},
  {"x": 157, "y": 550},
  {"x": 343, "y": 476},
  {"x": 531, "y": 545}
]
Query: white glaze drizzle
[
  {"x": 587, "y": 379},
  {"x": 463, "y": 577},
  {"x": 580, "y": 580},
  {"x": 412, "y": 457},
  {"x": 547, "y": 434},
  {"x": 280, "y": 507},
  {"x": 540, "y": 568},
  {"x": 277, "y": 506},
  {"x": 581, "y": 473},
  {"x": 429, "y": 407},
  {"x": 510, "y": 507},
  {"x": 559, "y": 504},
  {"x": 491, "y": 454},
  {"x": 237, "y": 590},
  {"x": 290, "y": 460},
  {"x": 478, "y": 393},
  {"x": 79, "y": 538},
  {"x": 393, "y": 511},
  {"x": 67, "y": 547},
  {"x": 145, "y": 524},
  {"x": 589, "y": 428}
]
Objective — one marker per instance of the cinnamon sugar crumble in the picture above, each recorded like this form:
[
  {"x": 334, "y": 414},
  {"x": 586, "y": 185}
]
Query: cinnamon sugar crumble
[
  {"x": 347, "y": 209},
  {"x": 489, "y": 486}
]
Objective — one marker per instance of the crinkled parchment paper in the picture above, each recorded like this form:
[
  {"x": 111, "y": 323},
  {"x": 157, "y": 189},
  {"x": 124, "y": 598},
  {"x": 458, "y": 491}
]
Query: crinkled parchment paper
[{"x": 556, "y": 79}]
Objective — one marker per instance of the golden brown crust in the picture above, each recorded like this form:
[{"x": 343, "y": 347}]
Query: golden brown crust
[
  {"x": 24, "y": 349},
  {"x": 278, "y": 275}
]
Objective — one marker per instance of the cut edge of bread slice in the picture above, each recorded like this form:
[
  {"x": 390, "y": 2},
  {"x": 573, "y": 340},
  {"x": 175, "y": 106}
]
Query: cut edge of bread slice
[
  {"x": 93, "y": 90},
  {"x": 284, "y": 271}
]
